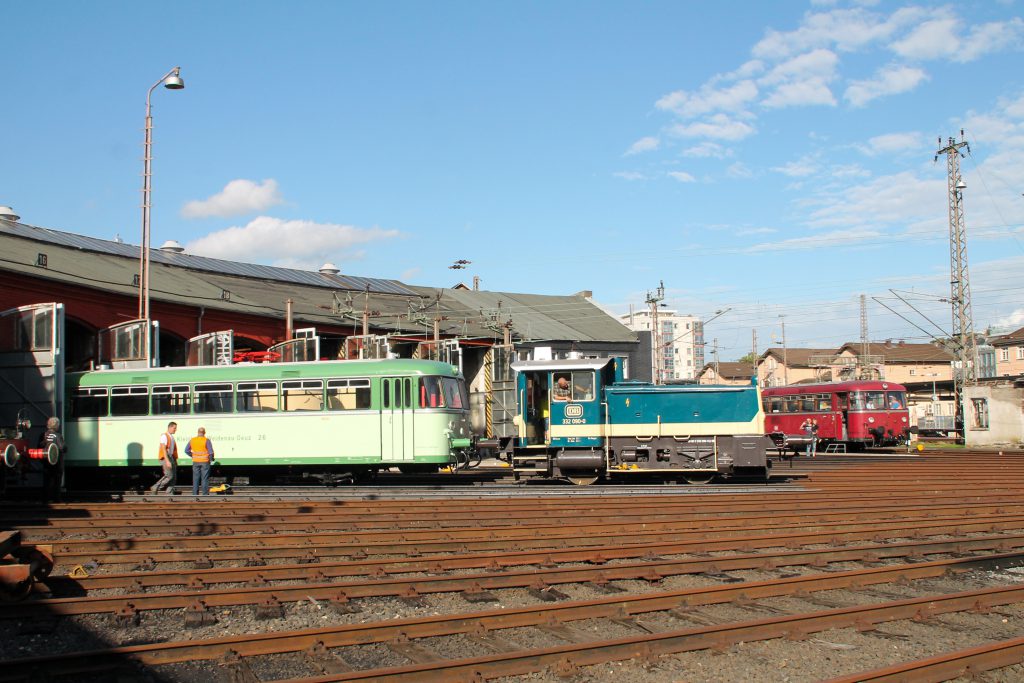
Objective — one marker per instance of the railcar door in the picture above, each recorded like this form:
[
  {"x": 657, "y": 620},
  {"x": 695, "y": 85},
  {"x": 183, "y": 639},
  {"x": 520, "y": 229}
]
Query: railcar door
[
  {"x": 843, "y": 406},
  {"x": 396, "y": 423}
]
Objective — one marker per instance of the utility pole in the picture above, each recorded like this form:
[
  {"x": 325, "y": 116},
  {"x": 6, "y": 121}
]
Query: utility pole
[
  {"x": 653, "y": 300},
  {"x": 960, "y": 286},
  {"x": 785, "y": 360},
  {"x": 366, "y": 313},
  {"x": 753, "y": 350},
  {"x": 714, "y": 352},
  {"x": 865, "y": 345}
]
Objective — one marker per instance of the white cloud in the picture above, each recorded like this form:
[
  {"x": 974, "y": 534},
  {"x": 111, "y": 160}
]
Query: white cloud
[
  {"x": 707, "y": 149},
  {"x": 290, "y": 243},
  {"x": 850, "y": 171},
  {"x": 682, "y": 176},
  {"x": 238, "y": 198},
  {"x": 646, "y": 144},
  {"x": 990, "y": 37},
  {"x": 845, "y": 29},
  {"x": 756, "y": 231},
  {"x": 719, "y": 126},
  {"x": 892, "y": 143},
  {"x": 709, "y": 99},
  {"x": 411, "y": 274},
  {"x": 802, "y": 80},
  {"x": 800, "y": 168},
  {"x": 931, "y": 40},
  {"x": 1014, "y": 319},
  {"x": 629, "y": 175},
  {"x": 844, "y": 238},
  {"x": 889, "y": 80},
  {"x": 739, "y": 170}
]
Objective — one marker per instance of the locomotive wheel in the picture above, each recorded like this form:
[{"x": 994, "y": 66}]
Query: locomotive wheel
[
  {"x": 53, "y": 454},
  {"x": 699, "y": 477},
  {"x": 582, "y": 479},
  {"x": 11, "y": 455},
  {"x": 15, "y": 592}
]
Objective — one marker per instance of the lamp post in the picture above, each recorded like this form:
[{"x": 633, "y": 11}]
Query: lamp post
[{"x": 172, "y": 81}]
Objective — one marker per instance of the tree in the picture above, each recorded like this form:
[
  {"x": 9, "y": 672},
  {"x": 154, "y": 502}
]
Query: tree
[{"x": 749, "y": 358}]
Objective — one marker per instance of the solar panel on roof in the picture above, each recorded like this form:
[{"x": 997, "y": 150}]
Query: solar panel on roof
[{"x": 205, "y": 263}]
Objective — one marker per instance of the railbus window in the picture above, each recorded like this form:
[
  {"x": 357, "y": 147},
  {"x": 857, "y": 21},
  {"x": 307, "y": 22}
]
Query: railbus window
[
  {"x": 213, "y": 398},
  {"x": 348, "y": 394},
  {"x": 132, "y": 400},
  {"x": 792, "y": 405},
  {"x": 302, "y": 395},
  {"x": 454, "y": 392},
  {"x": 89, "y": 402},
  {"x": 807, "y": 404},
  {"x": 170, "y": 399},
  {"x": 431, "y": 394},
  {"x": 256, "y": 397},
  {"x": 825, "y": 402},
  {"x": 896, "y": 400}
]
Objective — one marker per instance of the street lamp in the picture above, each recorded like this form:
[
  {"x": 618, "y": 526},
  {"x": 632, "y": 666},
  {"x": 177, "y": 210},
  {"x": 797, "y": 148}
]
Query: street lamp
[{"x": 172, "y": 81}]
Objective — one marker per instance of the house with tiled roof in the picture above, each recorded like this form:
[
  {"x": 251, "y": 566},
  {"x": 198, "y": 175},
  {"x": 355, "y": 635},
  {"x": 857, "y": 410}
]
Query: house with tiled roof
[
  {"x": 1009, "y": 353},
  {"x": 728, "y": 373},
  {"x": 778, "y": 367},
  {"x": 898, "y": 362}
]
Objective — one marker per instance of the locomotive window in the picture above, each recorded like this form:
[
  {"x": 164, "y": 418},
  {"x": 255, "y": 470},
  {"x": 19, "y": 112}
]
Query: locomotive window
[
  {"x": 348, "y": 394},
  {"x": 431, "y": 395},
  {"x": 212, "y": 398},
  {"x": 256, "y": 397},
  {"x": 302, "y": 395},
  {"x": 170, "y": 399},
  {"x": 89, "y": 402},
  {"x": 583, "y": 386},
  {"x": 454, "y": 392},
  {"x": 129, "y": 401}
]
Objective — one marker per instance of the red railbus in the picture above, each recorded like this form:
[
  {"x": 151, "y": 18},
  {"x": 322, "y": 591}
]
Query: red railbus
[{"x": 855, "y": 414}]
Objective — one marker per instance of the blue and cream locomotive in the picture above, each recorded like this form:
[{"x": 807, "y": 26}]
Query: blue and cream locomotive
[{"x": 581, "y": 420}]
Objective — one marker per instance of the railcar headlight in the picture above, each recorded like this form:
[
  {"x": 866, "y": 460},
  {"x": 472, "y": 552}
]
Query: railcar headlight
[
  {"x": 904, "y": 419},
  {"x": 871, "y": 420}
]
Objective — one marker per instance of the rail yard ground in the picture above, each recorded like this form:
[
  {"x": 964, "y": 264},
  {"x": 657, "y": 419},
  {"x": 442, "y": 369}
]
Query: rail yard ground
[{"x": 844, "y": 568}]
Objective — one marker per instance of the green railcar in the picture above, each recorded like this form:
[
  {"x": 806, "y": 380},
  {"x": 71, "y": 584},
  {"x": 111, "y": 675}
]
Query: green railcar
[{"x": 330, "y": 416}]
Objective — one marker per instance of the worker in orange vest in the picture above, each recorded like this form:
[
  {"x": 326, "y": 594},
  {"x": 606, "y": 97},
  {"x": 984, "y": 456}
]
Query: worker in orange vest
[
  {"x": 168, "y": 460},
  {"x": 200, "y": 449}
]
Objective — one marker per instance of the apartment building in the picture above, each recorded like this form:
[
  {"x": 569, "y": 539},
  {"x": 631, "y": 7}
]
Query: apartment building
[{"x": 680, "y": 342}]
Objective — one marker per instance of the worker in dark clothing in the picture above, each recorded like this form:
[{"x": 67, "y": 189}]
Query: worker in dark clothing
[
  {"x": 200, "y": 449},
  {"x": 53, "y": 472}
]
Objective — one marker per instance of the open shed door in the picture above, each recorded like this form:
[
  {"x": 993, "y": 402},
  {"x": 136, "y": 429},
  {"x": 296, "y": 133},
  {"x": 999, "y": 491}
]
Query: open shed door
[{"x": 32, "y": 366}]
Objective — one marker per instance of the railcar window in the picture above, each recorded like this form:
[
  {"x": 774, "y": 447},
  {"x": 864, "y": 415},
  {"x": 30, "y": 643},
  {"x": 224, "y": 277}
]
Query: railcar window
[
  {"x": 89, "y": 402},
  {"x": 867, "y": 400},
  {"x": 773, "y": 405},
  {"x": 348, "y": 394},
  {"x": 170, "y": 399},
  {"x": 128, "y": 401},
  {"x": 824, "y": 402},
  {"x": 454, "y": 392},
  {"x": 807, "y": 404},
  {"x": 792, "y": 405},
  {"x": 256, "y": 397},
  {"x": 212, "y": 398},
  {"x": 398, "y": 393},
  {"x": 385, "y": 391},
  {"x": 431, "y": 394},
  {"x": 408, "y": 392},
  {"x": 302, "y": 395},
  {"x": 896, "y": 400},
  {"x": 583, "y": 386}
]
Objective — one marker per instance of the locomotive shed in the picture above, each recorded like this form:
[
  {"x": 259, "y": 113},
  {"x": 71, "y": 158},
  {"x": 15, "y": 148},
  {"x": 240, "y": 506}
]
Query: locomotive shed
[{"x": 860, "y": 568}]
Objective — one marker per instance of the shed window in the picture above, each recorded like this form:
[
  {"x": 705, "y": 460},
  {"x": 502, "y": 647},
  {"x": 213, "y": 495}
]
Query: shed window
[{"x": 980, "y": 406}]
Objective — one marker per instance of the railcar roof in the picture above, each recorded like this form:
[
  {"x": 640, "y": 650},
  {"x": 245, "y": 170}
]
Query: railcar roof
[
  {"x": 563, "y": 364},
  {"x": 859, "y": 385},
  {"x": 268, "y": 371}
]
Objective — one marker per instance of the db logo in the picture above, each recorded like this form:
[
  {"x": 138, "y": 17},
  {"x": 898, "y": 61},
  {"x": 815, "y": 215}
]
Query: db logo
[{"x": 574, "y": 410}]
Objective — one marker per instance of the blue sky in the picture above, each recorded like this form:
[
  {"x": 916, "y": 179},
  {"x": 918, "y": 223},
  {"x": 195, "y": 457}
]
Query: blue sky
[{"x": 775, "y": 158}]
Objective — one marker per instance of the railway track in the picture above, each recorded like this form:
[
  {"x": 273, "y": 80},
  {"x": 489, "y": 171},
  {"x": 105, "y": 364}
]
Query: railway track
[{"x": 908, "y": 571}]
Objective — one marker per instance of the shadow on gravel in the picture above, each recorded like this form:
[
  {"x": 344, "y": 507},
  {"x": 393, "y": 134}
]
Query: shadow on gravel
[{"x": 48, "y": 646}]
